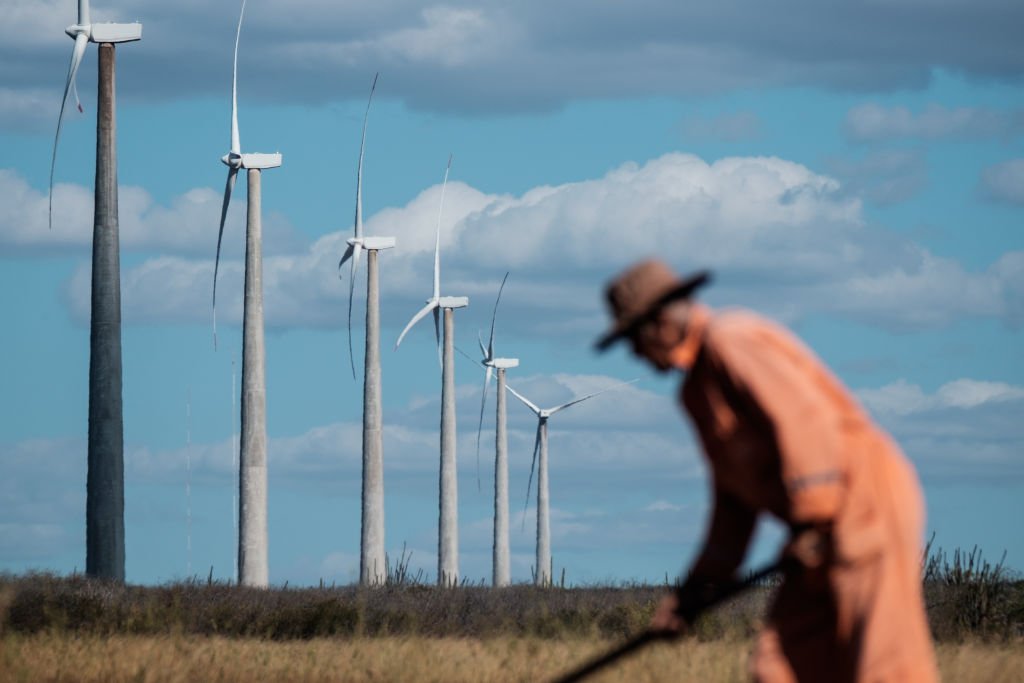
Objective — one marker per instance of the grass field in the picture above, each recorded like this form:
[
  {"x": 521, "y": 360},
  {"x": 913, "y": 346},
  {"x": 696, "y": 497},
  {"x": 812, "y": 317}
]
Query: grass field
[{"x": 173, "y": 659}]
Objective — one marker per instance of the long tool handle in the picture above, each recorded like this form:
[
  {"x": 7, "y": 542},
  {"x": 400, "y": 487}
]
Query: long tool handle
[{"x": 638, "y": 641}]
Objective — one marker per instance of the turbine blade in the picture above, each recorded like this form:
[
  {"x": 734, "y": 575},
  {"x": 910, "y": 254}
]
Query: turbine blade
[
  {"x": 473, "y": 360},
  {"x": 533, "y": 464},
  {"x": 431, "y": 305},
  {"x": 596, "y": 393},
  {"x": 525, "y": 400},
  {"x": 232, "y": 174},
  {"x": 345, "y": 257},
  {"x": 480, "y": 426},
  {"x": 483, "y": 349},
  {"x": 81, "y": 40},
  {"x": 437, "y": 240},
  {"x": 437, "y": 334},
  {"x": 359, "y": 172},
  {"x": 356, "y": 251},
  {"x": 494, "y": 316},
  {"x": 83, "y": 13},
  {"x": 236, "y": 145}
]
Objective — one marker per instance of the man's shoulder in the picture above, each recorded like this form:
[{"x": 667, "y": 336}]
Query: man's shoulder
[{"x": 736, "y": 325}]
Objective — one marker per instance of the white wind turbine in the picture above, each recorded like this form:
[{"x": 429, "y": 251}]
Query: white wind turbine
[
  {"x": 501, "y": 575},
  {"x": 104, "y": 502},
  {"x": 540, "y": 445},
  {"x": 252, "y": 520},
  {"x": 82, "y": 33},
  {"x": 371, "y": 547},
  {"x": 448, "y": 523}
]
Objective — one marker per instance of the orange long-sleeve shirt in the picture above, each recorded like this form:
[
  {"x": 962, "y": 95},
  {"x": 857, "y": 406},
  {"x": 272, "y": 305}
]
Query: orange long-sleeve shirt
[{"x": 782, "y": 435}]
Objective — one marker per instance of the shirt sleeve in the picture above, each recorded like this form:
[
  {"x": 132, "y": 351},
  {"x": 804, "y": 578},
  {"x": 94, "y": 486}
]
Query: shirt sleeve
[
  {"x": 801, "y": 402},
  {"x": 732, "y": 524}
]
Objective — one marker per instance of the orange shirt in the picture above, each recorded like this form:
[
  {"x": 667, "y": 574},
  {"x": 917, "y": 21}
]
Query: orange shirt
[{"x": 782, "y": 435}]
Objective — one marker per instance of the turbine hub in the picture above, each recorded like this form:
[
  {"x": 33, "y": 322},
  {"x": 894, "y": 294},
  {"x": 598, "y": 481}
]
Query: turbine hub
[
  {"x": 232, "y": 159},
  {"x": 75, "y": 29}
]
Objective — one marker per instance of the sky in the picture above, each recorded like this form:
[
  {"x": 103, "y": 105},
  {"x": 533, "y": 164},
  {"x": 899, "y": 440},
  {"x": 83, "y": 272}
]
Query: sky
[{"x": 854, "y": 171}]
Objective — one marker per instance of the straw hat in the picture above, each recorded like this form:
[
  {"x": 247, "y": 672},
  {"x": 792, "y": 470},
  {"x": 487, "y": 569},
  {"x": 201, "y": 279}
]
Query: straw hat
[{"x": 635, "y": 296}]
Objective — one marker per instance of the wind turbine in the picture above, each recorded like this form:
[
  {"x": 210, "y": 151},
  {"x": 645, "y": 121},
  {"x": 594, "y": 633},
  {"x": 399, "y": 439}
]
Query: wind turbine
[
  {"x": 501, "y": 575},
  {"x": 252, "y": 501},
  {"x": 448, "y": 523},
  {"x": 371, "y": 553},
  {"x": 540, "y": 445},
  {"x": 104, "y": 503}
]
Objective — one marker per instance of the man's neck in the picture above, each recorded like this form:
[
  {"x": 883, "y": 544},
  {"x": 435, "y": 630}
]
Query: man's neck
[{"x": 697, "y": 318}]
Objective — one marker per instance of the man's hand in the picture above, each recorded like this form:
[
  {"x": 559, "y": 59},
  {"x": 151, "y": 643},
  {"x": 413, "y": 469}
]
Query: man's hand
[
  {"x": 666, "y": 620},
  {"x": 812, "y": 546}
]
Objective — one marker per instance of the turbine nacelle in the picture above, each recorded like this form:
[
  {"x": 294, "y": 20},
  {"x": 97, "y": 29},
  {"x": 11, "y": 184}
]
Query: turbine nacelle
[
  {"x": 374, "y": 243},
  {"x": 501, "y": 363},
  {"x": 451, "y": 301},
  {"x": 107, "y": 32}
]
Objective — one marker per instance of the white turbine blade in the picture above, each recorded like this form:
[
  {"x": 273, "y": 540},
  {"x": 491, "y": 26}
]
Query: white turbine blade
[
  {"x": 357, "y": 249},
  {"x": 431, "y": 305},
  {"x": 480, "y": 427},
  {"x": 584, "y": 398},
  {"x": 232, "y": 174},
  {"x": 494, "y": 316},
  {"x": 83, "y": 13},
  {"x": 236, "y": 145},
  {"x": 533, "y": 464},
  {"x": 359, "y": 171},
  {"x": 345, "y": 257},
  {"x": 483, "y": 349},
  {"x": 525, "y": 400},
  {"x": 437, "y": 240},
  {"x": 471, "y": 359},
  {"x": 81, "y": 40}
]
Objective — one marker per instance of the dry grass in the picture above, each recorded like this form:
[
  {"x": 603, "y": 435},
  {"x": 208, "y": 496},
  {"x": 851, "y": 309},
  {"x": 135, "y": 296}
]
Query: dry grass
[{"x": 173, "y": 659}]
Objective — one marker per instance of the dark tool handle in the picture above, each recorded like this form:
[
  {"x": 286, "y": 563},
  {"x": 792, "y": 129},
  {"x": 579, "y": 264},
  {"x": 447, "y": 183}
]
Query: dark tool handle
[{"x": 643, "y": 638}]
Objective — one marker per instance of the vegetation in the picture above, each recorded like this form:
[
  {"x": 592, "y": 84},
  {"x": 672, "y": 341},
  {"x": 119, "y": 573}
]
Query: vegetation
[{"x": 74, "y": 628}]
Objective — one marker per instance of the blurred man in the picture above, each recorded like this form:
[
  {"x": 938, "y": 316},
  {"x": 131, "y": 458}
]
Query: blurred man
[{"x": 783, "y": 436}]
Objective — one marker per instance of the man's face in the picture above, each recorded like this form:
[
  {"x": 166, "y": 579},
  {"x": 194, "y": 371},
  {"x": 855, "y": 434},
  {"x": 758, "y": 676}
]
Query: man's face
[{"x": 654, "y": 340}]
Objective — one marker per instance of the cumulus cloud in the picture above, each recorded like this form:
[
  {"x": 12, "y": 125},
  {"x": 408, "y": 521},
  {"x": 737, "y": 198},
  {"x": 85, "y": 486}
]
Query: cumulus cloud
[
  {"x": 966, "y": 428},
  {"x": 186, "y": 226},
  {"x": 873, "y": 122},
  {"x": 1004, "y": 182},
  {"x": 529, "y": 55},
  {"x": 782, "y": 238}
]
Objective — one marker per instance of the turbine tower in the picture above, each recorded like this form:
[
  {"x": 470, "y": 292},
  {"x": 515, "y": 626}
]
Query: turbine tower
[
  {"x": 501, "y": 574},
  {"x": 104, "y": 505},
  {"x": 448, "y": 523},
  {"x": 252, "y": 500},
  {"x": 540, "y": 445},
  {"x": 371, "y": 546}
]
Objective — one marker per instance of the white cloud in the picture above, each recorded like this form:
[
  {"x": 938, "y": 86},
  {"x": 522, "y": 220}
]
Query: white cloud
[
  {"x": 1004, "y": 181},
  {"x": 187, "y": 226},
  {"x": 903, "y": 398},
  {"x": 529, "y": 55},
  {"x": 781, "y": 238},
  {"x": 873, "y": 122}
]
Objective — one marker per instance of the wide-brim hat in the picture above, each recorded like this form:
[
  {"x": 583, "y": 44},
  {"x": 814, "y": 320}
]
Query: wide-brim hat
[{"x": 636, "y": 296}]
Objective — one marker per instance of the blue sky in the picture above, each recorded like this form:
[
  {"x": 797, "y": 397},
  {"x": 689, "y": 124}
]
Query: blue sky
[{"x": 864, "y": 186}]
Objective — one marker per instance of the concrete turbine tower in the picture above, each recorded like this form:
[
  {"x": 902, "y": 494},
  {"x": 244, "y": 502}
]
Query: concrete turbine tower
[
  {"x": 104, "y": 504},
  {"x": 252, "y": 501},
  {"x": 371, "y": 552},
  {"x": 448, "y": 522},
  {"x": 540, "y": 446},
  {"x": 501, "y": 574}
]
